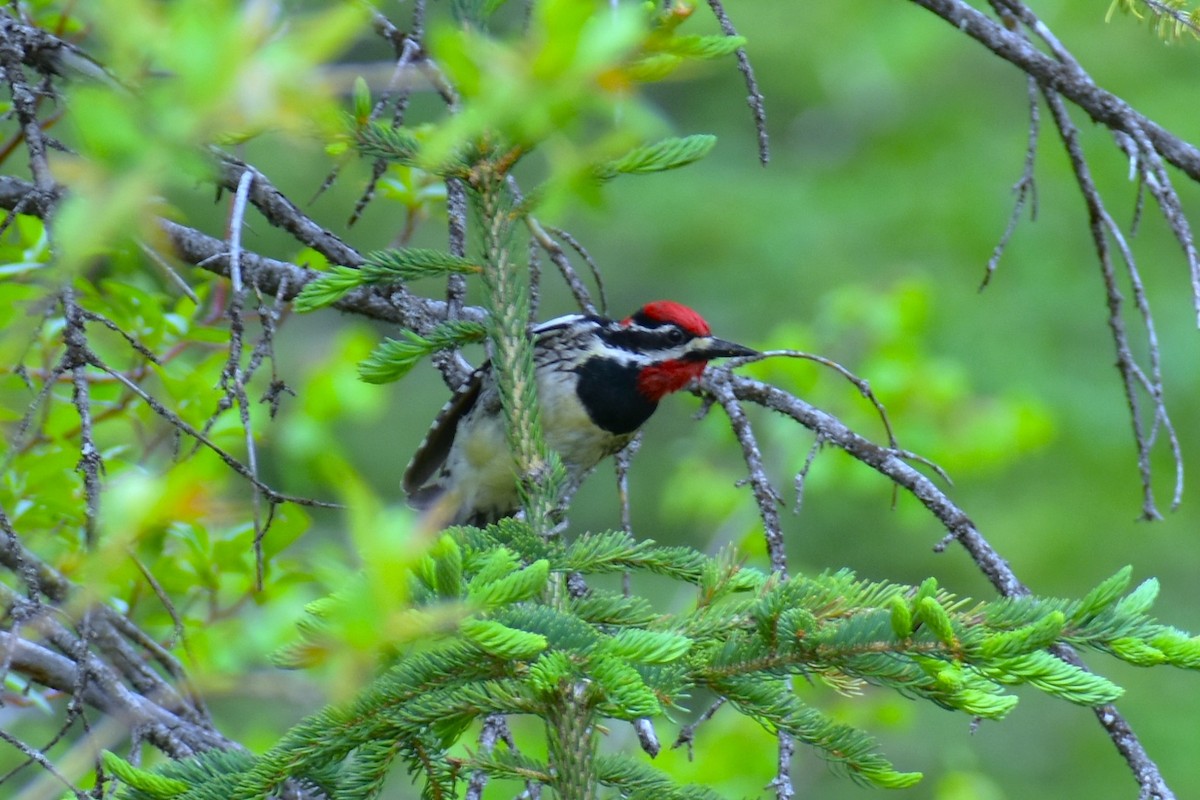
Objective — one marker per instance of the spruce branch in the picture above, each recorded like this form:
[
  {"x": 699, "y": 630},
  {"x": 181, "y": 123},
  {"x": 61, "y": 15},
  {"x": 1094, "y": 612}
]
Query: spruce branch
[{"x": 540, "y": 474}]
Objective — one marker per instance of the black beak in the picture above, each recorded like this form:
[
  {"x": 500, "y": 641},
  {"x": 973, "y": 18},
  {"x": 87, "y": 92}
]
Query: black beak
[{"x": 708, "y": 348}]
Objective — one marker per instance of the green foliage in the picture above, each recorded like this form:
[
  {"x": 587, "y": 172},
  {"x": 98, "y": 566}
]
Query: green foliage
[
  {"x": 194, "y": 73},
  {"x": 381, "y": 267},
  {"x": 659, "y": 157},
  {"x": 743, "y": 637},
  {"x": 149, "y": 783},
  {"x": 1170, "y": 20},
  {"x": 562, "y": 89},
  {"x": 392, "y": 359}
]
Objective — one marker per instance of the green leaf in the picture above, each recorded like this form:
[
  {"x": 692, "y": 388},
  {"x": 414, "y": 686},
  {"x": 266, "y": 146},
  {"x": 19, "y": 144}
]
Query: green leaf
[
  {"x": 142, "y": 780},
  {"x": 1137, "y": 652},
  {"x": 380, "y": 266},
  {"x": 701, "y": 46},
  {"x": 1056, "y": 677},
  {"x": 901, "y": 618},
  {"x": 930, "y": 612},
  {"x": 502, "y": 641},
  {"x": 392, "y": 359},
  {"x": 447, "y": 567},
  {"x": 1103, "y": 595},
  {"x": 1036, "y": 636},
  {"x": 362, "y": 101},
  {"x": 549, "y": 672},
  {"x": 381, "y": 140},
  {"x": 659, "y": 157},
  {"x": 520, "y": 585},
  {"x": 1179, "y": 648},
  {"x": 626, "y": 694},
  {"x": 328, "y": 288},
  {"x": 648, "y": 647},
  {"x": 410, "y": 263},
  {"x": 1140, "y": 599}
]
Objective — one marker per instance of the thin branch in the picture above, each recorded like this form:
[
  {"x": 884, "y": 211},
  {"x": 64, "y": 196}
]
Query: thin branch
[
  {"x": 583, "y": 298},
  {"x": 35, "y": 756},
  {"x": 1067, "y": 78},
  {"x": 182, "y": 424},
  {"x": 801, "y": 478},
  {"x": 647, "y": 737},
  {"x": 233, "y": 378},
  {"x": 754, "y": 98},
  {"x": 765, "y": 494},
  {"x": 12, "y": 54},
  {"x": 768, "y": 508},
  {"x": 956, "y": 521},
  {"x": 491, "y": 732},
  {"x": 578, "y": 247},
  {"x": 1025, "y": 188},
  {"x": 407, "y": 49},
  {"x": 1169, "y": 16},
  {"x": 862, "y": 384},
  {"x": 281, "y": 212},
  {"x": 1102, "y": 225},
  {"x": 687, "y": 734},
  {"x": 76, "y": 360}
]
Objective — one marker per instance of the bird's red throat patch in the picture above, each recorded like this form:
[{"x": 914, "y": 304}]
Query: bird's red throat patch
[{"x": 659, "y": 380}]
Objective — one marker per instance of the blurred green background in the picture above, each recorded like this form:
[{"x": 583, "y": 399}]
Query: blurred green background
[{"x": 894, "y": 143}]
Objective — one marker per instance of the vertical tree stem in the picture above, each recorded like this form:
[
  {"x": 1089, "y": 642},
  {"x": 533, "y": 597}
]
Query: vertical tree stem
[
  {"x": 570, "y": 724},
  {"x": 571, "y": 738},
  {"x": 513, "y": 360}
]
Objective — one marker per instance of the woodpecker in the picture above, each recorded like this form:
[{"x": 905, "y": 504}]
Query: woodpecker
[{"x": 598, "y": 381}]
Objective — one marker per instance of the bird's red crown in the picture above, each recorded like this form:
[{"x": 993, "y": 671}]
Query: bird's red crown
[{"x": 670, "y": 311}]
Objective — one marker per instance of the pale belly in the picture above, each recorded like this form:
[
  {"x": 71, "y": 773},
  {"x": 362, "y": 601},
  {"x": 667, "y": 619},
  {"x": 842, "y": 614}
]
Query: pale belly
[{"x": 482, "y": 450}]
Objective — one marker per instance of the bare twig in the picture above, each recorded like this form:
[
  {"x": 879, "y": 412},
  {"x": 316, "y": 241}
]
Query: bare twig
[
  {"x": 802, "y": 474},
  {"x": 767, "y": 498},
  {"x": 765, "y": 495},
  {"x": 492, "y": 727},
  {"x": 408, "y": 49},
  {"x": 12, "y": 56},
  {"x": 687, "y": 734},
  {"x": 233, "y": 378},
  {"x": 1025, "y": 188},
  {"x": 1132, "y": 376},
  {"x": 76, "y": 360},
  {"x": 754, "y": 98},
  {"x": 35, "y": 755},
  {"x": 1064, "y": 76},
  {"x": 862, "y": 384},
  {"x": 237, "y": 466},
  {"x": 281, "y": 212},
  {"x": 578, "y": 247}
]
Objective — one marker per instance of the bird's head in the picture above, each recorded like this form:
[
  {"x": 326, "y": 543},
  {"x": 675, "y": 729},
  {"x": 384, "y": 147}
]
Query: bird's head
[{"x": 675, "y": 344}]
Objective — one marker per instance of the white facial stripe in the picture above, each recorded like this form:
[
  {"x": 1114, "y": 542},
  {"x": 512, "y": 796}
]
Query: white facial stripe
[{"x": 565, "y": 321}]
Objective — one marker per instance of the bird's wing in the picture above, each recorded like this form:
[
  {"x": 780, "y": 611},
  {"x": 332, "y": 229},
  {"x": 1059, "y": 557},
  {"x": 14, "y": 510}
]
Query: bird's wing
[{"x": 431, "y": 453}]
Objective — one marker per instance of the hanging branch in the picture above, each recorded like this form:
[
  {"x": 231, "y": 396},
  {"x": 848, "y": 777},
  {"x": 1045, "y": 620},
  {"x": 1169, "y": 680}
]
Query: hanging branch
[
  {"x": 76, "y": 361},
  {"x": 1132, "y": 376},
  {"x": 754, "y": 98},
  {"x": 1147, "y": 145},
  {"x": 1025, "y": 188}
]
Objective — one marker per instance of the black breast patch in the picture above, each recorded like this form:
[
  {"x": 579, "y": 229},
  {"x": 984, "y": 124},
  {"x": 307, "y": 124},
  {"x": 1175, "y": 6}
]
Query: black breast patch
[{"x": 608, "y": 390}]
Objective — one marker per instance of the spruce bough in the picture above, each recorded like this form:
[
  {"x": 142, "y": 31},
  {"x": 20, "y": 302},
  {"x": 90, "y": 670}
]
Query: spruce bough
[{"x": 583, "y": 663}]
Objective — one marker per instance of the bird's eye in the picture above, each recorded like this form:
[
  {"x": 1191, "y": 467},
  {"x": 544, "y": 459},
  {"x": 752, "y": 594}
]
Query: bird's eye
[{"x": 676, "y": 336}]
